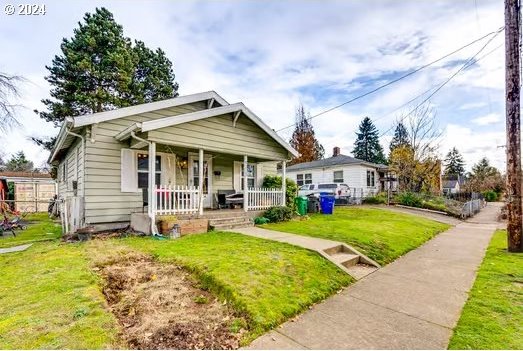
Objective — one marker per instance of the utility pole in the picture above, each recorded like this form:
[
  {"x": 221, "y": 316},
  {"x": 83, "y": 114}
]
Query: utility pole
[{"x": 512, "y": 93}]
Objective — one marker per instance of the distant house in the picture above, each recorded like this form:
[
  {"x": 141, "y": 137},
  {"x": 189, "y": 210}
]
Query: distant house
[
  {"x": 172, "y": 157},
  {"x": 452, "y": 185},
  {"x": 364, "y": 177}
]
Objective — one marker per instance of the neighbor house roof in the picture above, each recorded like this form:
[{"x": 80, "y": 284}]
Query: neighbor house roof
[
  {"x": 25, "y": 176},
  {"x": 450, "y": 184},
  {"x": 339, "y": 160}
]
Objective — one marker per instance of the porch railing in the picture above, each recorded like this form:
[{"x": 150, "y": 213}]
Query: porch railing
[
  {"x": 176, "y": 199},
  {"x": 263, "y": 198}
]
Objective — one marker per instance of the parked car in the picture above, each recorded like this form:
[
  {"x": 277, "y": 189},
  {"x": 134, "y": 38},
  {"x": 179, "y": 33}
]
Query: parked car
[{"x": 337, "y": 189}]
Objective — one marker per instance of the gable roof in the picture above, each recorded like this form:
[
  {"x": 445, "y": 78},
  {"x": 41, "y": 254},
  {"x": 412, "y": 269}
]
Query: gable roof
[
  {"x": 224, "y": 108},
  {"x": 339, "y": 160}
]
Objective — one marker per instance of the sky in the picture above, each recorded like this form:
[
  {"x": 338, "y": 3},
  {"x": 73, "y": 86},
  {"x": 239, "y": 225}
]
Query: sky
[{"x": 274, "y": 55}]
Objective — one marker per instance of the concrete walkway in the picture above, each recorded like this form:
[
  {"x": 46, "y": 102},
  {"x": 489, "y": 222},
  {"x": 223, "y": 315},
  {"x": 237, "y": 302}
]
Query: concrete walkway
[
  {"x": 429, "y": 215},
  {"x": 15, "y": 248},
  {"x": 413, "y": 303}
]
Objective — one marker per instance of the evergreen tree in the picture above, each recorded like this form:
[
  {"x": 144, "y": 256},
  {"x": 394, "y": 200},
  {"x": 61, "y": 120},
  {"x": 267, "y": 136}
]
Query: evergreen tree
[
  {"x": 19, "y": 163},
  {"x": 304, "y": 139},
  {"x": 454, "y": 163},
  {"x": 401, "y": 137},
  {"x": 99, "y": 70},
  {"x": 367, "y": 145}
]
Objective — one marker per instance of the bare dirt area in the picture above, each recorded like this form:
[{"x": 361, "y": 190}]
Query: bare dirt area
[{"x": 160, "y": 306}]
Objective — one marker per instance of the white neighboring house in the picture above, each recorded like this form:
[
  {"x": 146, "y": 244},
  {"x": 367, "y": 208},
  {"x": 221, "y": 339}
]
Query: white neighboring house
[{"x": 362, "y": 177}]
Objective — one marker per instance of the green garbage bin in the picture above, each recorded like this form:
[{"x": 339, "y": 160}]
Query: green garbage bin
[{"x": 301, "y": 205}]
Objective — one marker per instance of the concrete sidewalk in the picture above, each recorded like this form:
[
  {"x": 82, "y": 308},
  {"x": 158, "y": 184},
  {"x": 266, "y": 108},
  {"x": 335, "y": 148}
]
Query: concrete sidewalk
[{"x": 413, "y": 303}]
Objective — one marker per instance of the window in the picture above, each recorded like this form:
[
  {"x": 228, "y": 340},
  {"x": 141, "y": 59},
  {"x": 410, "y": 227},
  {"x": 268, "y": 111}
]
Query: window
[
  {"x": 338, "y": 176},
  {"x": 299, "y": 179},
  {"x": 371, "y": 178},
  {"x": 143, "y": 170},
  {"x": 302, "y": 179},
  {"x": 251, "y": 175}
]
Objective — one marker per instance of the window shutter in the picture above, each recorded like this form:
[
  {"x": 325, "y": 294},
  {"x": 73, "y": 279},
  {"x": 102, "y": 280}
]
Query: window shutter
[
  {"x": 169, "y": 170},
  {"x": 128, "y": 172},
  {"x": 237, "y": 176},
  {"x": 259, "y": 174}
]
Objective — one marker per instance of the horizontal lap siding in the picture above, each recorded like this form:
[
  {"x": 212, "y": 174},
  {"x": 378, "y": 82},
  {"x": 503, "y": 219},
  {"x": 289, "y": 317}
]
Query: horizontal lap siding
[
  {"x": 74, "y": 160},
  {"x": 225, "y": 180},
  {"x": 218, "y": 134},
  {"x": 104, "y": 201},
  {"x": 354, "y": 176}
]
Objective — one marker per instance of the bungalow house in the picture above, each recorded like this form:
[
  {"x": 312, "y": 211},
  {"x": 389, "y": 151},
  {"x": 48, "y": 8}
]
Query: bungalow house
[
  {"x": 363, "y": 178},
  {"x": 167, "y": 157},
  {"x": 452, "y": 184}
]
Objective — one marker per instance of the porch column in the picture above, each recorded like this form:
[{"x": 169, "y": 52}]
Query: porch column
[
  {"x": 152, "y": 185},
  {"x": 200, "y": 181},
  {"x": 245, "y": 184},
  {"x": 284, "y": 182}
]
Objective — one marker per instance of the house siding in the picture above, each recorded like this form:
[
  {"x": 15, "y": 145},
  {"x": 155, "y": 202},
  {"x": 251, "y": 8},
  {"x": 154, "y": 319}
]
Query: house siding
[
  {"x": 74, "y": 160},
  {"x": 219, "y": 135},
  {"x": 355, "y": 176}
]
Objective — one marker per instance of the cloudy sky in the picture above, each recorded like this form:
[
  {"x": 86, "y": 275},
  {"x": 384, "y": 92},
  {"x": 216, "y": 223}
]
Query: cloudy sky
[{"x": 273, "y": 55}]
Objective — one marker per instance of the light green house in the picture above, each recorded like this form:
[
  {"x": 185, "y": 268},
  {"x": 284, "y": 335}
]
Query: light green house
[{"x": 191, "y": 148}]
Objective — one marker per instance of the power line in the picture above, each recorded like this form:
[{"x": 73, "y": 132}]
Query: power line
[
  {"x": 434, "y": 86},
  {"x": 397, "y": 79}
]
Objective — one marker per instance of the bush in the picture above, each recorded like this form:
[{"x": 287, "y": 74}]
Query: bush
[
  {"x": 278, "y": 214},
  {"x": 292, "y": 188},
  {"x": 491, "y": 196},
  {"x": 409, "y": 199},
  {"x": 381, "y": 198}
]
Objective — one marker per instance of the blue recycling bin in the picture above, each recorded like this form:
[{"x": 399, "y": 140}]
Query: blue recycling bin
[{"x": 327, "y": 203}]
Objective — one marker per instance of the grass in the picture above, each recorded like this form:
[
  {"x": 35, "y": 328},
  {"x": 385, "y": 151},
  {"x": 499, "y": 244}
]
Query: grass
[
  {"x": 49, "y": 299},
  {"x": 380, "y": 234},
  {"x": 493, "y": 315},
  {"x": 39, "y": 228},
  {"x": 268, "y": 282}
]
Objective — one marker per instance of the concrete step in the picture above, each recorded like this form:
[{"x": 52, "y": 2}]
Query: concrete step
[
  {"x": 226, "y": 220},
  {"x": 345, "y": 259},
  {"x": 360, "y": 270},
  {"x": 227, "y": 226}
]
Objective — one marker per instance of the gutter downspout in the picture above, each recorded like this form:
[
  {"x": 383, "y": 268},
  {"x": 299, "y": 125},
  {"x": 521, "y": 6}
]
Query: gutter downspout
[
  {"x": 150, "y": 208},
  {"x": 68, "y": 131}
]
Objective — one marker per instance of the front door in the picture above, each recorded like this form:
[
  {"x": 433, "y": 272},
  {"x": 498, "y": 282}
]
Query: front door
[{"x": 207, "y": 181}]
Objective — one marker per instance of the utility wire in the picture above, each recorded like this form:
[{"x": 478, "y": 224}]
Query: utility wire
[
  {"x": 398, "y": 79},
  {"x": 467, "y": 64}
]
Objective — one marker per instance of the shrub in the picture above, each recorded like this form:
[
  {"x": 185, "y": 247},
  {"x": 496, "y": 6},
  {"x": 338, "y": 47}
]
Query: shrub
[
  {"x": 409, "y": 199},
  {"x": 381, "y": 198},
  {"x": 491, "y": 196},
  {"x": 278, "y": 214},
  {"x": 292, "y": 188}
]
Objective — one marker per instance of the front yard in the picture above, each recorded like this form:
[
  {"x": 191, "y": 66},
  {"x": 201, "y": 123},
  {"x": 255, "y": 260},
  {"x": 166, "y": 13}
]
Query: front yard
[
  {"x": 380, "y": 234},
  {"x": 493, "y": 315}
]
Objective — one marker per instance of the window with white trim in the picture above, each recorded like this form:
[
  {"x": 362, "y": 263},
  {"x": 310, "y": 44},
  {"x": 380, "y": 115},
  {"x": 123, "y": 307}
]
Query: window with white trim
[
  {"x": 337, "y": 176},
  {"x": 143, "y": 170},
  {"x": 371, "y": 181},
  {"x": 251, "y": 175},
  {"x": 303, "y": 179}
]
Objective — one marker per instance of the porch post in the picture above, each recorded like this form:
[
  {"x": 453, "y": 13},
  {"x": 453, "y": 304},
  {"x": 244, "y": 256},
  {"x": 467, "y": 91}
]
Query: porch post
[
  {"x": 152, "y": 185},
  {"x": 245, "y": 184},
  {"x": 284, "y": 182},
  {"x": 200, "y": 181}
]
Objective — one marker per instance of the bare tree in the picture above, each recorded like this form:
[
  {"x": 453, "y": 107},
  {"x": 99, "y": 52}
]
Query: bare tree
[
  {"x": 425, "y": 136},
  {"x": 8, "y": 92}
]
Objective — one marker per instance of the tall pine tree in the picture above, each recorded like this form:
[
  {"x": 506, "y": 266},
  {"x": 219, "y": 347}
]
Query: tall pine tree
[
  {"x": 454, "y": 163},
  {"x": 367, "y": 145},
  {"x": 400, "y": 138},
  {"x": 99, "y": 70},
  {"x": 304, "y": 140}
]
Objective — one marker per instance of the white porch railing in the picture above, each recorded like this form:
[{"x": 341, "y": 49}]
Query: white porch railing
[
  {"x": 176, "y": 199},
  {"x": 263, "y": 198}
]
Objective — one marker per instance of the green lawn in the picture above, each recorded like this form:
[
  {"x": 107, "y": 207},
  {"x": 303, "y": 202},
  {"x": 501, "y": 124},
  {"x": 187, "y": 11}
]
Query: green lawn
[
  {"x": 49, "y": 299},
  {"x": 493, "y": 315},
  {"x": 380, "y": 234},
  {"x": 267, "y": 281},
  {"x": 39, "y": 228}
]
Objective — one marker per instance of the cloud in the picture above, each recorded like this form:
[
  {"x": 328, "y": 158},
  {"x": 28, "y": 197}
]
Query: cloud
[{"x": 491, "y": 118}]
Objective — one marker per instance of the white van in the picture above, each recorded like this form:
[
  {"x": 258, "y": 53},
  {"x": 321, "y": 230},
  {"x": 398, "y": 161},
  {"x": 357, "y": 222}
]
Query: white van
[{"x": 335, "y": 189}]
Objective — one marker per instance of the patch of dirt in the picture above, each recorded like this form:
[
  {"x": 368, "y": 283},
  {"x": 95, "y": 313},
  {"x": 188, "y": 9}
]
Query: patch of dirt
[{"x": 160, "y": 306}]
